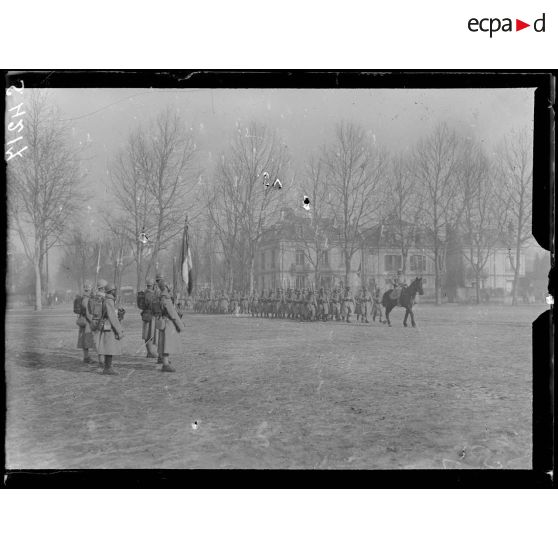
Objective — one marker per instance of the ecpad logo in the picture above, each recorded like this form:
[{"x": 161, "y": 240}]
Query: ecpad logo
[{"x": 493, "y": 25}]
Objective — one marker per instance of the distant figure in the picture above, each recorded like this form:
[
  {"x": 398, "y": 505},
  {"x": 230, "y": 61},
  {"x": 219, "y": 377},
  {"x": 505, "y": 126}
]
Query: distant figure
[
  {"x": 365, "y": 304},
  {"x": 348, "y": 305}
]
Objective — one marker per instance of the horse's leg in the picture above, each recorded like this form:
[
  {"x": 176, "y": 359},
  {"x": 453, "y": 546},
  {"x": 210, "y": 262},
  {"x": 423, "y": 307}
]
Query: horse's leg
[
  {"x": 412, "y": 318},
  {"x": 388, "y": 310},
  {"x": 405, "y": 318}
]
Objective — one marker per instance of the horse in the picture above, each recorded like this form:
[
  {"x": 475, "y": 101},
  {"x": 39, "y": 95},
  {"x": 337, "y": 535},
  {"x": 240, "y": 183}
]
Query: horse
[{"x": 406, "y": 300}]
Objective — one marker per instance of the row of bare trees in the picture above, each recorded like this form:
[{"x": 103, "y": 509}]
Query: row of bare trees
[
  {"x": 44, "y": 186},
  {"x": 447, "y": 184},
  {"x": 444, "y": 184}
]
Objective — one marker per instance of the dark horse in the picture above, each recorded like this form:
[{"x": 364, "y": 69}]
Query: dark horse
[{"x": 406, "y": 299}]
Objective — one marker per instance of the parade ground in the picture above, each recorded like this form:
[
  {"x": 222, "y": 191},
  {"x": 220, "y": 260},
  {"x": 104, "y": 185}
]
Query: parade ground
[{"x": 257, "y": 393}]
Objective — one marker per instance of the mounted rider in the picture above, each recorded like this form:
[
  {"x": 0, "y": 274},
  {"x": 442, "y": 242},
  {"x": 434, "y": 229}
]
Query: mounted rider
[{"x": 398, "y": 282}]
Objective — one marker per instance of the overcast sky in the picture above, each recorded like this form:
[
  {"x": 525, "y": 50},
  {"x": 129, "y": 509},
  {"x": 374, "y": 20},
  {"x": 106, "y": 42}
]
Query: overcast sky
[{"x": 303, "y": 118}]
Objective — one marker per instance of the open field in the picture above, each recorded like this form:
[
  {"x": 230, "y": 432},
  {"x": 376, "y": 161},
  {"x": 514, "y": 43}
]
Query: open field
[{"x": 453, "y": 393}]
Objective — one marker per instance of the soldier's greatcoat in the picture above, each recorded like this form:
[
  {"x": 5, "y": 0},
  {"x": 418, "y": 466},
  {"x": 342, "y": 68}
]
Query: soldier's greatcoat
[
  {"x": 348, "y": 305},
  {"x": 85, "y": 335},
  {"x": 169, "y": 339},
  {"x": 148, "y": 331},
  {"x": 109, "y": 344},
  {"x": 366, "y": 304}
]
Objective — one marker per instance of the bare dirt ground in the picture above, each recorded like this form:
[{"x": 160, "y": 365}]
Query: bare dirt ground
[{"x": 256, "y": 393}]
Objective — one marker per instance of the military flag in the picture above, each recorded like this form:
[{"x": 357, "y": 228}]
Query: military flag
[{"x": 186, "y": 260}]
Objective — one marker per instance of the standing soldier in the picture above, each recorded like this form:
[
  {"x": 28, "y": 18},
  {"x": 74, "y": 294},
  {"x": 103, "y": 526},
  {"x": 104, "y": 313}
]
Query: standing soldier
[
  {"x": 110, "y": 331},
  {"x": 233, "y": 305},
  {"x": 169, "y": 325},
  {"x": 334, "y": 305},
  {"x": 149, "y": 333},
  {"x": 85, "y": 335},
  {"x": 358, "y": 307},
  {"x": 323, "y": 305},
  {"x": 96, "y": 310},
  {"x": 348, "y": 304},
  {"x": 366, "y": 304},
  {"x": 289, "y": 301},
  {"x": 311, "y": 305},
  {"x": 377, "y": 305}
]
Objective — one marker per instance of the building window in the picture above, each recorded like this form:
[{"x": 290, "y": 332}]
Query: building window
[
  {"x": 392, "y": 262},
  {"x": 299, "y": 282},
  {"x": 300, "y": 257},
  {"x": 324, "y": 257},
  {"x": 417, "y": 264},
  {"x": 273, "y": 259},
  {"x": 263, "y": 260}
]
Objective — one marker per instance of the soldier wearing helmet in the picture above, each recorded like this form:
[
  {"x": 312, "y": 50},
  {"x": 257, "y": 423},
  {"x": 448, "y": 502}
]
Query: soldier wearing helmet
[
  {"x": 85, "y": 334},
  {"x": 111, "y": 331},
  {"x": 149, "y": 332},
  {"x": 169, "y": 326}
]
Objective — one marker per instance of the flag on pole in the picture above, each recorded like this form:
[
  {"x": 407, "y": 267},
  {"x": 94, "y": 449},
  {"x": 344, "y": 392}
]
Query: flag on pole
[{"x": 186, "y": 260}]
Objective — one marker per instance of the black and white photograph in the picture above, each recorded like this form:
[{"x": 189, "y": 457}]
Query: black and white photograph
[{"x": 270, "y": 278}]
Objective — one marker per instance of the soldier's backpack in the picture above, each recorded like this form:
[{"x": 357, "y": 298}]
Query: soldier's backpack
[
  {"x": 140, "y": 300},
  {"x": 147, "y": 312},
  {"x": 77, "y": 304},
  {"x": 156, "y": 307},
  {"x": 96, "y": 310}
]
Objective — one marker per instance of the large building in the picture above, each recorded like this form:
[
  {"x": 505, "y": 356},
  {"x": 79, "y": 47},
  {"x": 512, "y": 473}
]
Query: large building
[{"x": 298, "y": 253}]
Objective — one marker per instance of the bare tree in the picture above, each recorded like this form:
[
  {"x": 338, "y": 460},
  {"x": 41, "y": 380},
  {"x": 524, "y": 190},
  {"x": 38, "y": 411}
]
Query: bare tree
[
  {"x": 355, "y": 173},
  {"x": 43, "y": 194},
  {"x": 403, "y": 205},
  {"x": 516, "y": 165},
  {"x": 312, "y": 233},
  {"x": 80, "y": 256},
  {"x": 435, "y": 164},
  {"x": 154, "y": 179},
  {"x": 244, "y": 204},
  {"x": 484, "y": 211}
]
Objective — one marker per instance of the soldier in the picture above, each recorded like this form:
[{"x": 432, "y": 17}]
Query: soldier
[
  {"x": 85, "y": 335},
  {"x": 358, "y": 307},
  {"x": 289, "y": 302},
  {"x": 169, "y": 325},
  {"x": 311, "y": 305},
  {"x": 149, "y": 332},
  {"x": 96, "y": 310},
  {"x": 323, "y": 305},
  {"x": 333, "y": 309},
  {"x": 348, "y": 306},
  {"x": 366, "y": 304},
  {"x": 377, "y": 305},
  {"x": 110, "y": 332}
]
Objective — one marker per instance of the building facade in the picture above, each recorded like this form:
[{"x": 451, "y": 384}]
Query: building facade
[{"x": 292, "y": 255}]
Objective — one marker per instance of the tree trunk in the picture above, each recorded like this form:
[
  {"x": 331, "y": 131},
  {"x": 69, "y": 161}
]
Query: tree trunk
[
  {"x": 251, "y": 273},
  {"x": 477, "y": 284},
  {"x": 516, "y": 274},
  {"x": 38, "y": 293},
  {"x": 437, "y": 286},
  {"x": 347, "y": 268}
]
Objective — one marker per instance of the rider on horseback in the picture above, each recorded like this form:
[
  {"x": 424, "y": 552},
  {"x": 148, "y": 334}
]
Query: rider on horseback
[{"x": 398, "y": 283}]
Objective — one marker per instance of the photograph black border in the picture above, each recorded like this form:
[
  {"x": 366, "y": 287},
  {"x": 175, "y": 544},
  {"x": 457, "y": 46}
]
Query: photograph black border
[{"x": 544, "y": 211}]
